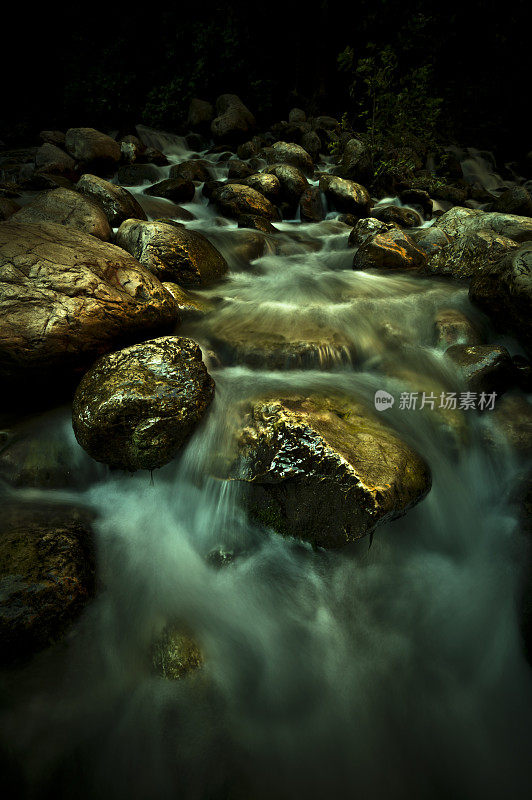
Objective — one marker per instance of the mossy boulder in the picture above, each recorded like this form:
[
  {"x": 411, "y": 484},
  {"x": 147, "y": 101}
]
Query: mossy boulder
[
  {"x": 136, "y": 407},
  {"x": 172, "y": 252},
  {"x": 175, "y": 654},
  {"x": 325, "y": 469}
]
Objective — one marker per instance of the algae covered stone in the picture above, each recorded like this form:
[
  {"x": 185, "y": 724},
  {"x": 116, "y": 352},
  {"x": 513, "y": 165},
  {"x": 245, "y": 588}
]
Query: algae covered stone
[
  {"x": 325, "y": 469},
  {"x": 135, "y": 408}
]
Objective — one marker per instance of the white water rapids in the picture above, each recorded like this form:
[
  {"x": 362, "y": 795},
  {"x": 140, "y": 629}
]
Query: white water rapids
[{"x": 395, "y": 671}]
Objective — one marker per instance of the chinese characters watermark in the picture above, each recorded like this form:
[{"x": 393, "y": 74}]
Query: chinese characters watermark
[{"x": 448, "y": 401}]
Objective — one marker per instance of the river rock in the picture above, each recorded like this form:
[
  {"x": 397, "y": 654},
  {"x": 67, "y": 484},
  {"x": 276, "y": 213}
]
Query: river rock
[
  {"x": 137, "y": 174},
  {"x": 430, "y": 240},
  {"x": 324, "y": 469},
  {"x": 467, "y": 220},
  {"x": 135, "y": 408},
  {"x": 392, "y": 249},
  {"x": 92, "y": 148},
  {"x": 200, "y": 114},
  {"x": 504, "y": 293},
  {"x": 484, "y": 367},
  {"x": 131, "y": 149},
  {"x": 453, "y": 327},
  {"x": 311, "y": 205},
  {"x": 345, "y": 195},
  {"x": 68, "y": 208},
  {"x": 238, "y": 169},
  {"x": 117, "y": 203},
  {"x": 52, "y": 159},
  {"x": 175, "y": 654},
  {"x": 419, "y": 199},
  {"x": 469, "y": 254},
  {"x": 256, "y": 223},
  {"x": 404, "y": 217},
  {"x": 172, "y": 252},
  {"x": 292, "y": 181},
  {"x": 8, "y": 207},
  {"x": 234, "y": 121},
  {"x": 47, "y": 574},
  {"x": 189, "y": 305},
  {"x": 268, "y": 185},
  {"x": 355, "y": 163},
  {"x": 235, "y": 199},
  {"x": 289, "y": 153},
  {"x": 66, "y": 297},
  {"x": 196, "y": 169},
  {"x": 516, "y": 200},
  {"x": 178, "y": 190},
  {"x": 512, "y": 424},
  {"x": 53, "y": 137},
  {"x": 365, "y": 229},
  {"x": 311, "y": 142}
]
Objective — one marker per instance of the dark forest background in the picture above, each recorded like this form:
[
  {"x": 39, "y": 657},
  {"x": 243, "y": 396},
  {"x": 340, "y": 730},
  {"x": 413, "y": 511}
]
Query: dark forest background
[{"x": 122, "y": 64}]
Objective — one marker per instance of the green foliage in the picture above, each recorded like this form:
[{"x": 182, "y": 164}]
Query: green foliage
[{"x": 395, "y": 108}]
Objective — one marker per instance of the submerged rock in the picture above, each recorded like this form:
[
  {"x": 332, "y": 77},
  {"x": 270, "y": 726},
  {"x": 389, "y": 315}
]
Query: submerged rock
[
  {"x": 117, "y": 203},
  {"x": 504, "y": 293},
  {"x": 136, "y": 407},
  {"x": 172, "y": 253},
  {"x": 485, "y": 367},
  {"x": 68, "y": 208},
  {"x": 175, "y": 654},
  {"x": 47, "y": 567},
  {"x": 325, "y": 470},
  {"x": 347, "y": 196},
  {"x": 469, "y": 254},
  {"x": 453, "y": 327},
  {"x": 66, "y": 297}
]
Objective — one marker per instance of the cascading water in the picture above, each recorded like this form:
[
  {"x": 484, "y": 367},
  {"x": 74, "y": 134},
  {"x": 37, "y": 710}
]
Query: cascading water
[{"x": 391, "y": 671}]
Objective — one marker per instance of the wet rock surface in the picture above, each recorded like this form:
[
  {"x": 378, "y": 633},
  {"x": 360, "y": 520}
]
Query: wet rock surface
[
  {"x": 135, "y": 408},
  {"x": 325, "y": 470},
  {"x": 68, "y": 208},
  {"x": 469, "y": 254},
  {"x": 485, "y": 368},
  {"x": 117, "y": 203}
]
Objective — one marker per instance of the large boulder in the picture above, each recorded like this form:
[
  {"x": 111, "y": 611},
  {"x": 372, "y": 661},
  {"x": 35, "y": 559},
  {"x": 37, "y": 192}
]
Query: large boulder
[
  {"x": 235, "y": 199},
  {"x": 365, "y": 229},
  {"x": 347, "y": 196},
  {"x": 391, "y": 249},
  {"x": 195, "y": 169},
  {"x": 469, "y": 254},
  {"x": 117, "y": 203},
  {"x": 172, "y": 253},
  {"x": 289, "y": 153},
  {"x": 47, "y": 574},
  {"x": 293, "y": 182},
  {"x": 200, "y": 114},
  {"x": 324, "y": 469},
  {"x": 234, "y": 121},
  {"x": 430, "y": 240},
  {"x": 66, "y": 297},
  {"x": 136, "y": 407},
  {"x": 67, "y": 208},
  {"x": 92, "y": 148},
  {"x": 504, "y": 293},
  {"x": 467, "y": 220},
  {"x": 516, "y": 200}
]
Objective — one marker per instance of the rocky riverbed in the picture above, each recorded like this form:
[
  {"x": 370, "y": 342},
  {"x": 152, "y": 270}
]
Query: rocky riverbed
[{"x": 265, "y": 466}]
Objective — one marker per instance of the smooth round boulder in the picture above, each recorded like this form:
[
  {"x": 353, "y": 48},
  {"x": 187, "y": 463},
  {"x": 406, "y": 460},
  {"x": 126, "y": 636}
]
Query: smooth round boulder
[
  {"x": 293, "y": 182},
  {"x": 172, "y": 252},
  {"x": 137, "y": 174},
  {"x": 235, "y": 199},
  {"x": 66, "y": 297},
  {"x": 135, "y": 408},
  {"x": 268, "y": 185},
  {"x": 117, "y": 203},
  {"x": 355, "y": 163},
  {"x": 345, "y": 195},
  {"x": 289, "y": 153},
  {"x": 67, "y": 208}
]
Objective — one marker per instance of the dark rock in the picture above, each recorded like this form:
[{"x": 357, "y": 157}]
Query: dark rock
[
  {"x": 311, "y": 142},
  {"x": 154, "y": 156},
  {"x": 234, "y": 120},
  {"x": 404, "y": 217},
  {"x": 365, "y": 229},
  {"x": 67, "y": 208},
  {"x": 175, "y": 655},
  {"x": 172, "y": 253},
  {"x": 200, "y": 114},
  {"x": 135, "y": 408},
  {"x": 289, "y": 153},
  {"x": 70, "y": 298},
  {"x": 196, "y": 169},
  {"x": 131, "y": 149},
  {"x": 256, "y": 223},
  {"x": 504, "y": 293},
  {"x": 92, "y": 148},
  {"x": 347, "y": 196},
  {"x": 417, "y": 198},
  {"x": 53, "y": 137},
  {"x": 470, "y": 254},
  {"x": 137, "y": 174},
  {"x": 239, "y": 169},
  {"x": 356, "y": 161},
  {"x": 292, "y": 181},
  {"x": 51, "y": 159},
  {"x": 7, "y": 208},
  {"x": 178, "y": 190},
  {"x": 523, "y": 373},
  {"x": 430, "y": 240},
  {"x": 512, "y": 424},
  {"x": 485, "y": 367},
  {"x": 117, "y": 203},
  {"x": 189, "y": 305},
  {"x": 516, "y": 200},
  {"x": 325, "y": 470},
  {"x": 47, "y": 567},
  {"x": 268, "y": 185},
  {"x": 311, "y": 205},
  {"x": 453, "y": 327},
  {"x": 297, "y": 116}
]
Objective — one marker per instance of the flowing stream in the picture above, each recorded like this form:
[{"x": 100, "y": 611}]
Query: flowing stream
[{"x": 391, "y": 671}]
